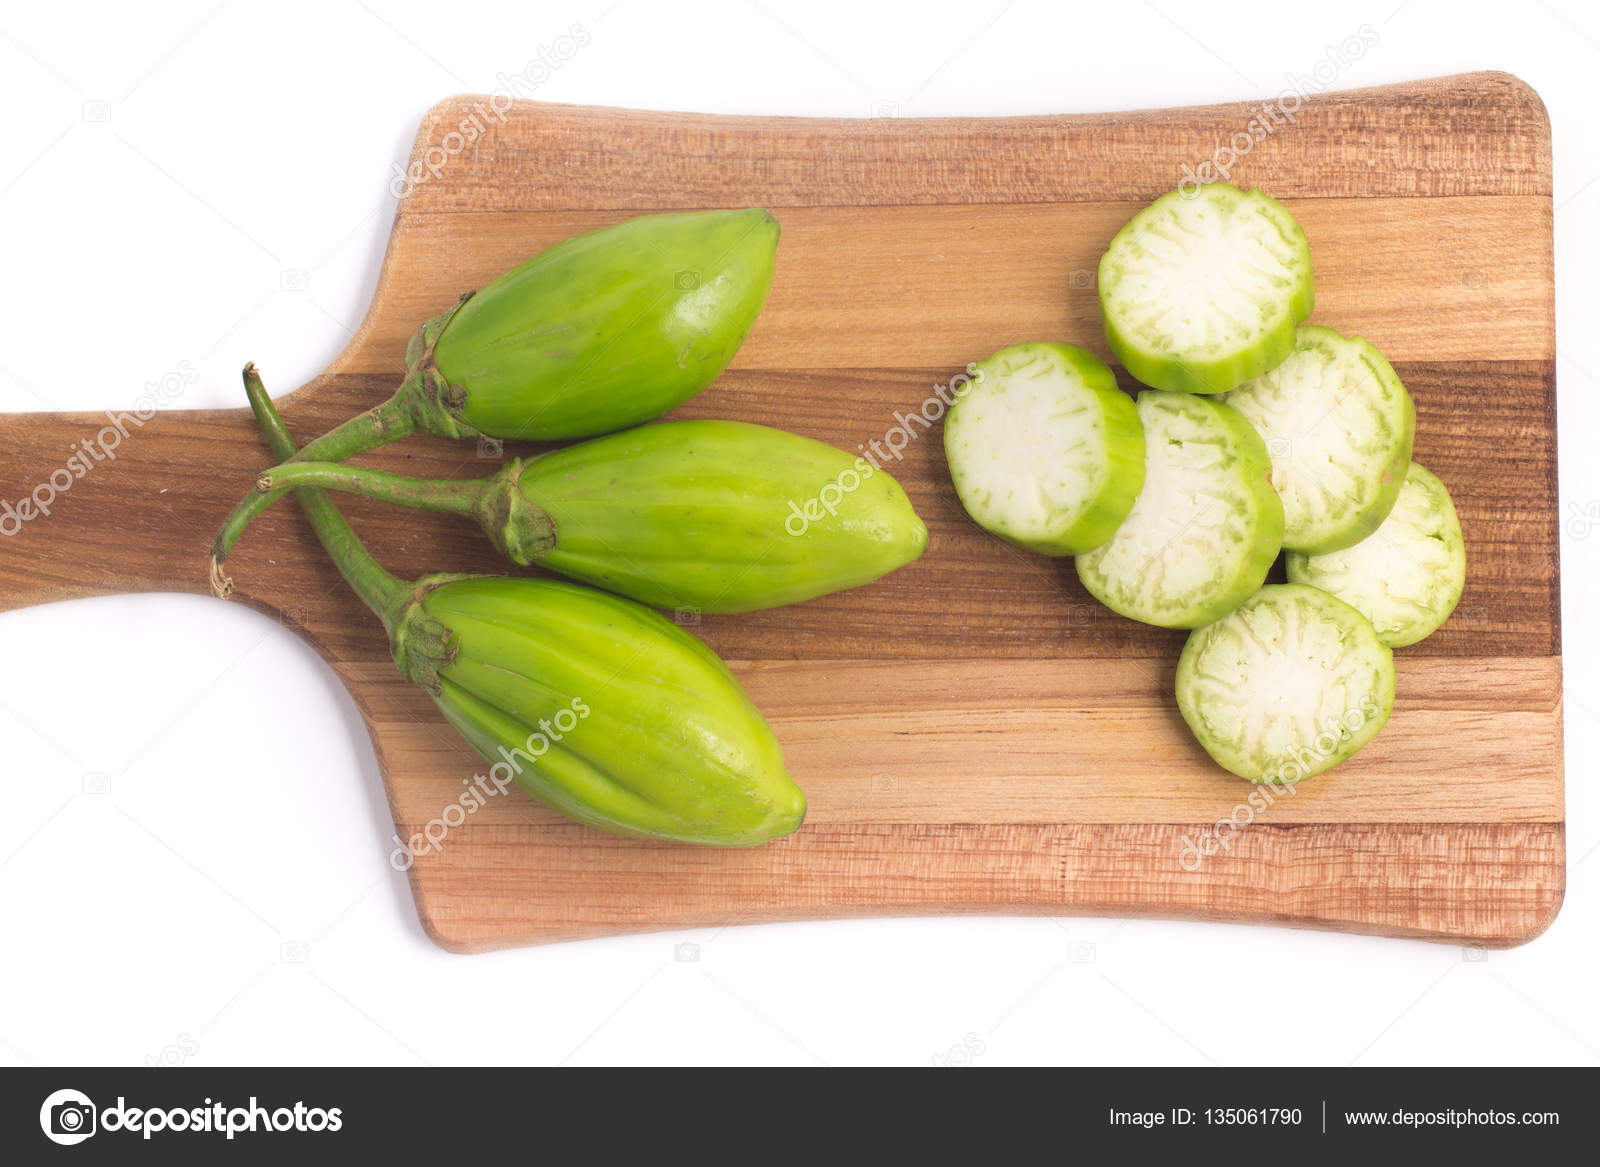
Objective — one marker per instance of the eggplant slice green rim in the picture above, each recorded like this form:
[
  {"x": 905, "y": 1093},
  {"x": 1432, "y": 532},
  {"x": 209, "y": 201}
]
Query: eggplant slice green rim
[
  {"x": 1290, "y": 684},
  {"x": 1044, "y": 449}
]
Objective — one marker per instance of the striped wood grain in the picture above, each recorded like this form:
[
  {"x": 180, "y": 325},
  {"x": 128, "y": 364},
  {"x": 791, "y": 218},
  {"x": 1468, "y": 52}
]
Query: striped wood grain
[{"x": 974, "y": 733}]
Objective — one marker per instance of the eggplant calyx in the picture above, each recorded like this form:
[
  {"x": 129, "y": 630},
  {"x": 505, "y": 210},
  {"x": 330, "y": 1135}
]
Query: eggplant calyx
[
  {"x": 434, "y": 403},
  {"x": 520, "y": 530},
  {"x": 421, "y": 644}
]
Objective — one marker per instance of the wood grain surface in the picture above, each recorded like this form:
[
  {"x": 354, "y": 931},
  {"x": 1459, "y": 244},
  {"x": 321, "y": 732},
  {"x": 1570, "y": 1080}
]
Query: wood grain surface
[{"x": 973, "y": 732}]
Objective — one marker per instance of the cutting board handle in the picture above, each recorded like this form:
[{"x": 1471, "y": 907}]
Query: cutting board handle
[{"x": 117, "y": 501}]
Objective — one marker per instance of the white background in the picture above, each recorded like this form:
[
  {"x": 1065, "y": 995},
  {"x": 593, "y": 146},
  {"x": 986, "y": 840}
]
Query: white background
[{"x": 229, "y": 901}]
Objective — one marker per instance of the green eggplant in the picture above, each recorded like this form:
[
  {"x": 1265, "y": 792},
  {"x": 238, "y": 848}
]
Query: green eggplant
[
  {"x": 715, "y": 516},
  {"x": 594, "y": 705},
  {"x": 601, "y": 709},
  {"x": 600, "y": 332},
  {"x": 606, "y": 330}
]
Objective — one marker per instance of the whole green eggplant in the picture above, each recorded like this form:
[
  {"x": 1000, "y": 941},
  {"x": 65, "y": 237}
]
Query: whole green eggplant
[
  {"x": 717, "y": 516},
  {"x": 595, "y": 705},
  {"x": 605, "y": 330},
  {"x": 603, "y": 710},
  {"x": 600, "y": 332}
]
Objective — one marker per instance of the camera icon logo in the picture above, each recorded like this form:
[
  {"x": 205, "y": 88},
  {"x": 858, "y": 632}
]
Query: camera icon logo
[
  {"x": 1280, "y": 449},
  {"x": 1080, "y": 952},
  {"x": 1472, "y": 954},
  {"x": 686, "y": 617},
  {"x": 67, "y": 1117},
  {"x": 686, "y": 953},
  {"x": 97, "y": 784},
  {"x": 294, "y": 280},
  {"x": 885, "y": 109},
  {"x": 293, "y": 952},
  {"x": 97, "y": 110},
  {"x": 491, "y": 449},
  {"x": 1584, "y": 519},
  {"x": 686, "y": 281},
  {"x": 1081, "y": 278}
]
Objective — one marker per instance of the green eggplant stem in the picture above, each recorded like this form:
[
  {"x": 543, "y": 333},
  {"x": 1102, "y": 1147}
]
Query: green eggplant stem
[
  {"x": 421, "y": 645},
  {"x": 521, "y": 531},
  {"x": 379, "y": 590},
  {"x": 452, "y": 497},
  {"x": 461, "y": 498},
  {"x": 423, "y": 401},
  {"x": 385, "y": 423}
]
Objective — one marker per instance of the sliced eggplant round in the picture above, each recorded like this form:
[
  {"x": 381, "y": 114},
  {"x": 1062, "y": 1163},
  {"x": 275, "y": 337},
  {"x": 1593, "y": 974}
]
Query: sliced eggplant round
[
  {"x": 1201, "y": 291},
  {"x": 1205, "y": 528},
  {"x": 1290, "y": 684},
  {"x": 1044, "y": 449},
  {"x": 1406, "y": 577},
  {"x": 1338, "y": 425}
]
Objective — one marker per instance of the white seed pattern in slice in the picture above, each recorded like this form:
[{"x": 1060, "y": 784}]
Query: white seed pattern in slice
[
  {"x": 1201, "y": 273},
  {"x": 1290, "y": 684},
  {"x": 1408, "y": 575},
  {"x": 1197, "y": 541},
  {"x": 1044, "y": 449},
  {"x": 1037, "y": 445},
  {"x": 1338, "y": 426}
]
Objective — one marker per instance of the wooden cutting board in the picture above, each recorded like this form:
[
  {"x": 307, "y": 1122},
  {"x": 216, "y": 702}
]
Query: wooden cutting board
[{"x": 974, "y": 733}]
